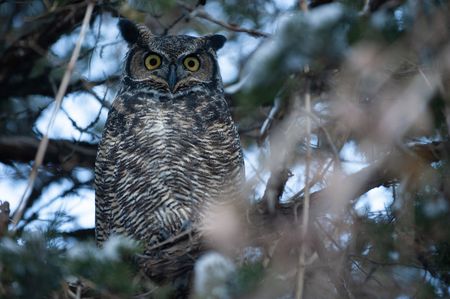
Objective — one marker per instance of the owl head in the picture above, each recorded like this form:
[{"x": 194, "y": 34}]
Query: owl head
[{"x": 170, "y": 63}]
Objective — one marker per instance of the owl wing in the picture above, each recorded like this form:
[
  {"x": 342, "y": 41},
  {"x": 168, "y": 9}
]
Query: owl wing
[{"x": 104, "y": 176}]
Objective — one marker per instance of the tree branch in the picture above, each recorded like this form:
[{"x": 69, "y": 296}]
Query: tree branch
[
  {"x": 64, "y": 153},
  {"x": 41, "y": 85}
]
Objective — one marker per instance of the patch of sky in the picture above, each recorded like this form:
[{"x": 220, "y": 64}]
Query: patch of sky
[
  {"x": 254, "y": 170},
  {"x": 79, "y": 205},
  {"x": 11, "y": 187},
  {"x": 82, "y": 207},
  {"x": 83, "y": 175},
  {"x": 376, "y": 201},
  {"x": 75, "y": 110},
  {"x": 109, "y": 48},
  {"x": 227, "y": 62},
  {"x": 285, "y": 4},
  {"x": 99, "y": 46},
  {"x": 214, "y": 9},
  {"x": 352, "y": 159},
  {"x": 62, "y": 47},
  {"x": 232, "y": 55}
]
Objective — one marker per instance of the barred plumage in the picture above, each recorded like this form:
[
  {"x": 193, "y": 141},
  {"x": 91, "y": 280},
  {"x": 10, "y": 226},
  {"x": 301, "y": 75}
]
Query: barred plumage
[{"x": 169, "y": 148}]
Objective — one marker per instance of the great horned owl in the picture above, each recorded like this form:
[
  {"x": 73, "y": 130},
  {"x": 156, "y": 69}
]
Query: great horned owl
[{"x": 169, "y": 148}]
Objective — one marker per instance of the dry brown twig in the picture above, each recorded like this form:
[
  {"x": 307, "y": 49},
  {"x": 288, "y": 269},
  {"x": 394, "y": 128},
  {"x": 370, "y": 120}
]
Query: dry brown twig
[
  {"x": 305, "y": 219},
  {"x": 58, "y": 100},
  {"x": 232, "y": 27}
]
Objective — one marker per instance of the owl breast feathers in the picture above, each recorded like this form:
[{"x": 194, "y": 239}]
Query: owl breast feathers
[{"x": 169, "y": 148}]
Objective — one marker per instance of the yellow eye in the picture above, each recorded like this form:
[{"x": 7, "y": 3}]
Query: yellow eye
[
  {"x": 152, "y": 61},
  {"x": 192, "y": 63}
]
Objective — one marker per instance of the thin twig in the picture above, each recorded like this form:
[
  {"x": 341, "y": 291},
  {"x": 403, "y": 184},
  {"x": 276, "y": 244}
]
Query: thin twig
[
  {"x": 232, "y": 27},
  {"x": 305, "y": 219},
  {"x": 200, "y": 13},
  {"x": 316, "y": 119},
  {"x": 168, "y": 241},
  {"x": 318, "y": 176},
  {"x": 425, "y": 78},
  {"x": 58, "y": 100},
  {"x": 269, "y": 120},
  {"x": 175, "y": 22},
  {"x": 366, "y": 8}
]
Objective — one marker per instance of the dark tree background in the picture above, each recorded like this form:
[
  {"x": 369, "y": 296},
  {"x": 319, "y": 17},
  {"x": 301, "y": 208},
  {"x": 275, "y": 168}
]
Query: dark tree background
[{"x": 342, "y": 107}]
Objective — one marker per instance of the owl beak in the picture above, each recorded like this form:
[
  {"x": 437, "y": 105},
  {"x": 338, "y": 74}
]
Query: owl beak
[{"x": 172, "y": 78}]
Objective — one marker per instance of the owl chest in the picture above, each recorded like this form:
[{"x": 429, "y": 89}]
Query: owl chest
[
  {"x": 169, "y": 161},
  {"x": 176, "y": 147}
]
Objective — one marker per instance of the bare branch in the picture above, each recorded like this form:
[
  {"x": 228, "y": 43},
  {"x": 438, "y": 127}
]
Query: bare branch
[
  {"x": 305, "y": 218},
  {"x": 275, "y": 188}
]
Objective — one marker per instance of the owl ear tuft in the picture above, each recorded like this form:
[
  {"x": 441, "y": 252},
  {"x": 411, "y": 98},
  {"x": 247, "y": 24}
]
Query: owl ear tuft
[
  {"x": 216, "y": 41},
  {"x": 133, "y": 33},
  {"x": 129, "y": 31}
]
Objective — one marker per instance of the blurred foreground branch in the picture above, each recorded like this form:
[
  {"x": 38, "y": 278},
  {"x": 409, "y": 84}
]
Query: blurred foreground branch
[
  {"x": 261, "y": 219},
  {"x": 385, "y": 172}
]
